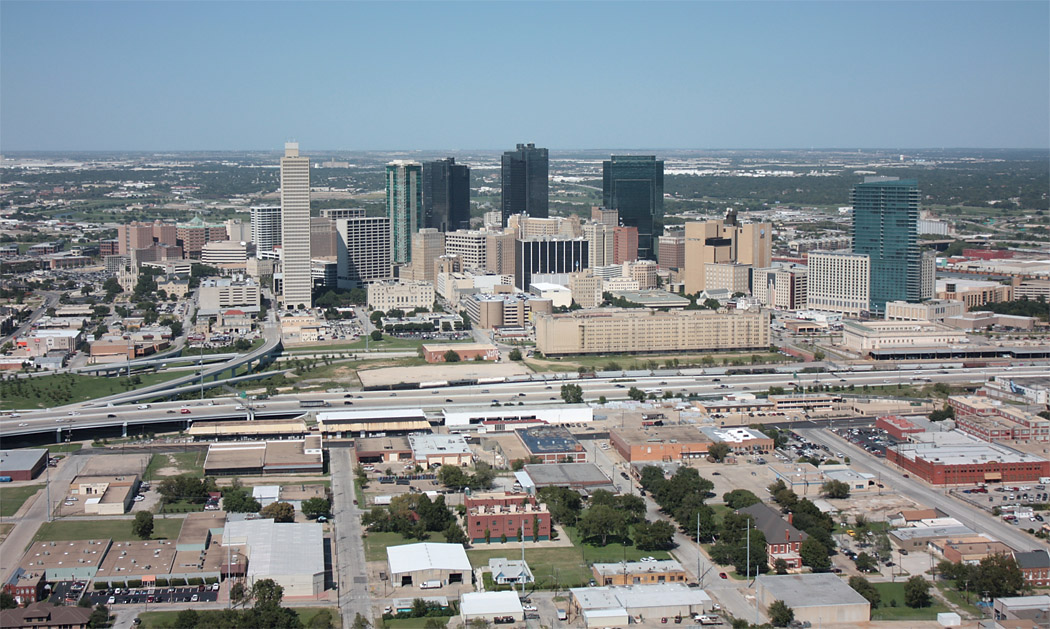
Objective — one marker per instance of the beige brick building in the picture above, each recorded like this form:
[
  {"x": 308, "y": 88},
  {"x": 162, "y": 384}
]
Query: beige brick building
[
  {"x": 617, "y": 330},
  {"x": 724, "y": 241}
]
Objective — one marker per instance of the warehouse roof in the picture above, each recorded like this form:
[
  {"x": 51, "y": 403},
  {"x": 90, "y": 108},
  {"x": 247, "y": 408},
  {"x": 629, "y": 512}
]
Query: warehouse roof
[
  {"x": 278, "y": 549},
  {"x": 426, "y": 556},
  {"x": 565, "y": 474},
  {"x": 432, "y": 444},
  {"x": 639, "y": 596},
  {"x": 548, "y": 440},
  {"x": 797, "y": 590},
  {"x": 490, "y": 604},
  {"x": 20, "y": 460}
]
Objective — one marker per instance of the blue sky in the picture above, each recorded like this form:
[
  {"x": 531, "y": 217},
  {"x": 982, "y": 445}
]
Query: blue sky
[{"x": 474, "y": 75}]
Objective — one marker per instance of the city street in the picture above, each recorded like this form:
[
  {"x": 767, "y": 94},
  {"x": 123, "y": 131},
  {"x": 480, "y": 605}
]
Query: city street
[{"x": 350, "y": 570}]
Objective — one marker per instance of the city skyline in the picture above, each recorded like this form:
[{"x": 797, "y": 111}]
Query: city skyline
[{"x": 713, "y": 75}]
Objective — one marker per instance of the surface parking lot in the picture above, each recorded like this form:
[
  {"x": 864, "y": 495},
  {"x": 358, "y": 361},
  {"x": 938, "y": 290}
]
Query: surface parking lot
[{"x": 204, "y": 593}]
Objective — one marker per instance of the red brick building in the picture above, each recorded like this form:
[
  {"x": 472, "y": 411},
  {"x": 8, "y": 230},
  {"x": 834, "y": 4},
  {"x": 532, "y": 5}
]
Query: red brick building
[
  {"x": 966, "y": 460},
  {"x": 783, "y": 540},
  {"x": 625, "y": 244},
  {"x": 500, "y": 514},
  {"x": 25, "y": 464},
  {"x": 898, "y": 427},
  {"x": 1035, "y": 565},
  {"x": 27, "y": 587},
  {"x": 435, "y": 353}
]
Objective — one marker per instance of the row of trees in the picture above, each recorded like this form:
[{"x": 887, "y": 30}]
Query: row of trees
[
  {"x": 416, "y": 516},
  {"x": 815, "y": 551}
]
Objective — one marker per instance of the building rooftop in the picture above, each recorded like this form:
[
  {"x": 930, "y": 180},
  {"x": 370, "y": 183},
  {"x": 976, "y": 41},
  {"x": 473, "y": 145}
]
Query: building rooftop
[
  {"x": 490, "y": 604},
  {"x": 71, "y": 554},
  {"x": 1035, "y": 559},
  {"x": 968, "y": 451},
  {"x": 426, "y": 556},
  {"x": 115, "y": 465},
  {"x": 797, "y": 590},
  {"x": 639, "y": 434},
  {"x": 20, "y": 460},
  {"x": 639, "y": 596},
  {"x": 653, "y": 298},
  {"x": 565, "y": 474},
  {"x": 736, "y": 434},
  {"x": 930, "y": 532},
  {"x": 137, "y": 559},
  {"x": 772, "y": 524},
  {"x": 397, "y": 443},
  {"x": 635, "y": 567},
  {"x": 549, "y": 440},
  {"x": 286, "y": 548},
  {"x": 435, "y": 444},
  {"x": 196, "y": 528}
]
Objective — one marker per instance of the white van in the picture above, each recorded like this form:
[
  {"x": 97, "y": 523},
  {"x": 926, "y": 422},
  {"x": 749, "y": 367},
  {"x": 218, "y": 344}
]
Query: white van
[
  {"x": 430, "y": 585},
  {"x": 562, "y": 615}
]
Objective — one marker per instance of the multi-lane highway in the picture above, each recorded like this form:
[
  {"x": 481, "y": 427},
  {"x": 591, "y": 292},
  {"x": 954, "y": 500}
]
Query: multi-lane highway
[{"x": 96, "y": 414}]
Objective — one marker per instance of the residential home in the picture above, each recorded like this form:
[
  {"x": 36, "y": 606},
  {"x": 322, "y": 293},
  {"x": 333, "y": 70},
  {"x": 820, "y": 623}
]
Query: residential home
[{"x": 783, "y": 540}]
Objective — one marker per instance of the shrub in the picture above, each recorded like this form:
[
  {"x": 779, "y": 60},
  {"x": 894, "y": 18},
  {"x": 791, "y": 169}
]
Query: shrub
[
  {"x": 135, "y": 584},
  {"x": 196, "y": 581},
  {"x": 162, "y": 583}
]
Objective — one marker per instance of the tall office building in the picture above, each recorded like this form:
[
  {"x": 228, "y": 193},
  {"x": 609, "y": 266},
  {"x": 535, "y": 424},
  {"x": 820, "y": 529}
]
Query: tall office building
[
  {"x": 602, "y": 247},
  {"x": 724, "y": 241},
  {"x": 886, "y": 228},
  {"x": 548, "y": 255},
  {"x": 634, "y": 186},
  {"x": 362, "y": 249},
  {"x": 446, "y": 195},
  {"x": 295, "y": 229},
  {"x": 670, "y": 250},
  {"x": 404, "y": 206},
  {"x": 524, "y": 182},
  {"x": 838, "y": 281},
  {"x": 266, "y": 227},
  {"x": 428, "y": 245}
]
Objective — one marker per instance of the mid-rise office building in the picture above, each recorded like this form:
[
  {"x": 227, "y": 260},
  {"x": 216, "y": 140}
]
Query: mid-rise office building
[
  {"x": 266, "y": 227},
  {"x": 404, "y": 206},
  {"x": 224, "y": 252},
  {"x": 670, "y": 250},
  {"x": 936, "y": 310},
  {"x": 885, "y": 227},
  {"x": 724, "y": 241},
  {"x": 727, "y": 276},
  {"x": 634, "y": 186},
  {"x": 142, "y": 235},
  {"x": 602, "y": 243},
  {"x": 838, "y": 282},
  {"x": 192, "y": 236},
  {"x": 363, "y": 253},
  {"x": 297, "y": 281},
  {"x": 428, "y": 244},
  {"x": 238, "y": 230},
  {"x": 524, "y": 182},
  {"x": 323, "y": 238},
  {"x": 548, "y": 255},
  {"x": 974, "y": 293},
  {"x": 783, "y": 286},
  {"x": 625, "y": 245},
  {"x": 406, "y": 296},
  {"x": 219, "y": 294},
  {"x": 605, "y": 216},
  {"x": 627, "y": 330},
  {"x": 586, "y": 288},
  {"x": 446, "y": 195}
]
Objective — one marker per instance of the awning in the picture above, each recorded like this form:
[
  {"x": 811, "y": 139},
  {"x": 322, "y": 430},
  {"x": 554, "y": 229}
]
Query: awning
[
  {"x": 149, "y": 578},
  {"x": 993, "y": 476}
]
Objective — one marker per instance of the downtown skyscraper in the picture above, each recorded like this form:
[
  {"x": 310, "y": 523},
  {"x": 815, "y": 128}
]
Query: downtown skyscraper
[
  {"x": 404, "y": 207},
  {"x": 886, "y": 229},
  {"x": 446, "y": 195},
  {"x": 634, "y": 186},
  {"x": 524, "y": 182},
  {"x": 297, "y": 283}
]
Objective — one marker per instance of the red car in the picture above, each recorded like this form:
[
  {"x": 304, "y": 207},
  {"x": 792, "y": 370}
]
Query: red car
[
  {"x": 185, "y": 411},
  {"x": 722, "y": 575}
]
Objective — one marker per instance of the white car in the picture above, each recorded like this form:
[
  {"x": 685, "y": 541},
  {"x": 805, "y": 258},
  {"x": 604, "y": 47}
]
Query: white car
[
  {"x": 139, "y": 498},
  {"x": 72, "y": 413},
  {"x": 23, "y": 424},
  {"x": 530, "y": 608}
]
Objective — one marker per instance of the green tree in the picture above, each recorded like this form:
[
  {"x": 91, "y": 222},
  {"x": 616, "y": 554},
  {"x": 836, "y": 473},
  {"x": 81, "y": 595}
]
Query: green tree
[
  {"x": 835, "y": 489},
  {"x": 572, "y": 393},
  {"x": 454, "y": 534},
  {"x": 718, "y": 451},
  {"x": 814, "y": 554},
  {"x": 917, "y": 592},
  {"x": 658, "y": 535},
  {"x": 740, "y": 499},
  {"x": 267, "y": 592},
  {"x": 945, "y": 413},
  {"x": 279, "y": 511},
  {"x": 142, "y": 526},
  {"x": 780, "y": 614},
  {"x": 7, "y": 600},
  {"x": 1000, "y": 576},
  {"x": 866, "y": 589},
  {"x": 515, "y": 354},
  {"x": 238, "y": 500},
  {"x": 636, "y": 394},
  {"x": 186, "y": 619},
  {"x": 316, "y": 507},
  {"x": 360, "y": 622},
  {"x": 377, "y": 335},
  {"x": 601, "y": 521},
  {"x": 451, "y": 356},
  {"x": 238, "y": 593},
  {"x": 321, "y": 620},
  {"x": 818, "y": 355},
  {"x": 866, "y": 563},
  {"x": 780, "y": 566},
  {"x": 453, "y": 477}
]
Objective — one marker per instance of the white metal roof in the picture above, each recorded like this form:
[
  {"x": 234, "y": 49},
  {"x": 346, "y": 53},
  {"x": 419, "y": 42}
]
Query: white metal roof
[
  {"x": 639, "y": 596},
  {"x": 490, "y": 603},
  {"x": 284, "y": 548},
  {"x": 426, "y": 556}
]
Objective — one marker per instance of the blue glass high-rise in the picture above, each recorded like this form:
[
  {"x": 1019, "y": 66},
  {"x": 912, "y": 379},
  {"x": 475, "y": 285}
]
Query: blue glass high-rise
[{"x": 886, "y": 228}]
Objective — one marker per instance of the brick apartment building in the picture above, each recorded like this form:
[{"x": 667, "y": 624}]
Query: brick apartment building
[
  {"x": 1035, "y": 565},
  {"x": 783, "y": 540},
  {"x": 494, "y": 515}
]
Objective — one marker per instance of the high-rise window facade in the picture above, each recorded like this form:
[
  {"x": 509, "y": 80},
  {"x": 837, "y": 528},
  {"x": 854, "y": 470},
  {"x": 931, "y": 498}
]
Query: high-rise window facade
[
  {"x": 634, "y": 185},
  {"x": 524, "y": 182},
  {"x": 886, "y": 228},
  {"x": 404, "y": 207},
  {"x": 446, "y": 195},
  {"x": 295, "y": 228},
  {"x": 266, "y": 227}
]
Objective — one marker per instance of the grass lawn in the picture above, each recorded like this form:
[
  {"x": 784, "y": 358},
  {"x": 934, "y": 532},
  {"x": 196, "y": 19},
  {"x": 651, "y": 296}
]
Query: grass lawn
[
  {"x": 189, "y": 462},
  {"x": 59, "y": 389},
  {"x": 895, "y": 591},
  {"x": 570, "y": 567},
  {"x": 117, "y": 530},
  {"x": 166, "y": 619},
  {"x": 413, "y": 623},
  {"x": 720, "y": 513},
  {"x": 12, "y": 498},
  {"x": 64, "y": 447},
  {"x": 376, "y": 543},
  {"x": 958, "y": 599}
]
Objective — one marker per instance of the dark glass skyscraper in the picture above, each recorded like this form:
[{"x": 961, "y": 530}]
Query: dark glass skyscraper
[
  {"x": 886, "y": 228},
  {"x": 446, "y": 195},
  {"x": 524, "y": 178},
  {"x": 634, "y": 185}
]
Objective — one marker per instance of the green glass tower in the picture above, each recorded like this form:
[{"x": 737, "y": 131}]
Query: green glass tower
[
  {"x": 634, "y": 186},
  {"x": 404, "y": 207},
  {"x": 886, "y": 228}
]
